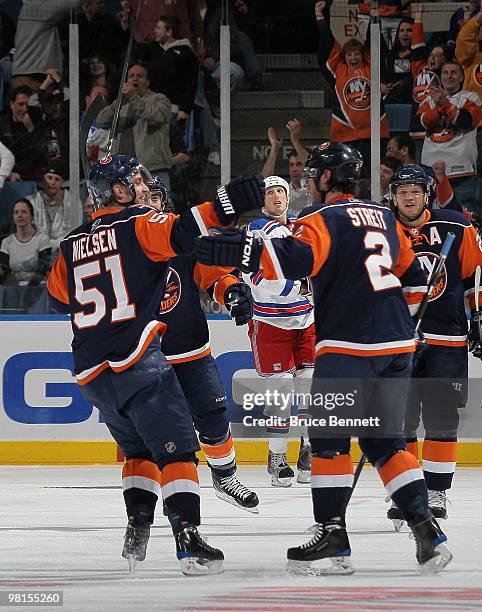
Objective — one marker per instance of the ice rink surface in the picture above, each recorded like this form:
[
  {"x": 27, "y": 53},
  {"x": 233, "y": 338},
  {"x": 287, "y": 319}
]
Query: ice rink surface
[{"x": 62, "y": 528}]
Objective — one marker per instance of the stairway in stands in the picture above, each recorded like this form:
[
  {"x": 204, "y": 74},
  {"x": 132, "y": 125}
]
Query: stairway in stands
[{"x": 292, "y": 87}]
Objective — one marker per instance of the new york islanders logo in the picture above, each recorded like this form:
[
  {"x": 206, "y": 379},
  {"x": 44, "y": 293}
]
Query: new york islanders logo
[
  {"x": 429, "y": 262},
  {"x": 172, "y": 293},
  {"x": 422, "y": 83},
  {"x": 477, "y": 74},
  {"x": 357, "y": 92}
]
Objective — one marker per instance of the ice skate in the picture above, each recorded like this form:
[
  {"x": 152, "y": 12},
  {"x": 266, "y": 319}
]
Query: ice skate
[
  {"x": 432, "y": 552},
  {"x": 304, "y": 464},
  {"x": 196, "y": 557},
  {"x": 281, "y": 473},
  {"x": 437, "y": 503},
  {"x": 329, "y": 544},
  {"x": 231, "y": 490},
  {"x": 135, "y": 542},
  {"x": 394, "y": 514}
]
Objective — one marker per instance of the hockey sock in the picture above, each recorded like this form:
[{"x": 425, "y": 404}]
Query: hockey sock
[
  {"x": 331, "y": 483},
  {"x": 439, "y": 458},
  {"x": 141, "y": 481},
  {"x": 411, "y": 446},
  {"x": 278, "y": 445},
  {"x": 181, "y": 493},
  {"x": 220, "y": 454},
  {"x": 404, "y": 482}
]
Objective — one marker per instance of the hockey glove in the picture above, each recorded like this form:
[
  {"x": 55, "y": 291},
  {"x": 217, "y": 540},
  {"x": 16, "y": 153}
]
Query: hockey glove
[
  {"x": 239, "y": 302},
  {"x": 475, "y": 334},
  {"x": 238, "y": 196},
  {"x": 230, "y": 247}
]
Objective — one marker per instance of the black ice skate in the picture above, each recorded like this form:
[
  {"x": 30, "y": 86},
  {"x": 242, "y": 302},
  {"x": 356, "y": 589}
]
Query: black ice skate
[
  {"x": 437, "y": 504},
  {"x": 432, "y": 553},
  {"x": 394, "y": 514},
  {"x": 135, "y": 540},
  {"x": 231, "y": 490},
  {"x": 196, "y": 557},
  {"x": 330, "y": 543},
  {"x": 304, "y": 464},
  {"x": 281, "y": 473}
]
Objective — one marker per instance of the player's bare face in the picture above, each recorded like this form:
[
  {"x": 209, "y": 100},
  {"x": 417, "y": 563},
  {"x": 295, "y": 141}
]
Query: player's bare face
[
  {"x": 275, "y": 200},
  {"x": 156, "y": 201},
  {"x": 141, "y": 189},
  {"x": 410, "y": 201},
  {"x": 354, "y": 58}
]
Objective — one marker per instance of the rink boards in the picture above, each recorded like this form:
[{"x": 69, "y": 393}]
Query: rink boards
[{"x": 45, "y": 420}]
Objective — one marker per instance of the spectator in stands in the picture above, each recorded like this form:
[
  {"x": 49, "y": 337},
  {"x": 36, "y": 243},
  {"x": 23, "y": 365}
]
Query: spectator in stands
[
  {"x": 97, "y": 138},
  {"x": 347, "y": 70},
  {"x": 211, "y": 64},
  {"x": 252, "y": 68},
  {"x": 97, "y": 71},
  {"x": 388, "y": 165},
  {"x": 397, "y": 72},
  {"x": 451, "y": 115},
  {"x": 402, "y": 148},
  {"x": 299, "y": 197},
  {"x": 124, "y": 15},
  {"x": 88, "y": 209},
  {"x": 390, "y": 14},
  {"x": 7, "y": 162},
  {"x": 37, "y": 40},
  {"x": 54, "y": 127},
  {"x": 25, "y": 254},
  {"x": 468, "y": 52},
  {"x": 426, "y": 65},
  {"x": 187, "y": 11},
  {"x": 52, "y": 205},
  {"x": 143, "y": 123},
  {"x": 19, "y": 132},
  {"x": 99, "y": 31},
  {"x": 173, "y": 68},
  {"x": 460, "y": 18}
]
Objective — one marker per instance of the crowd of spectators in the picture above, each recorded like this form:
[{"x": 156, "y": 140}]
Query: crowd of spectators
[{"x": 169, "y": 116}]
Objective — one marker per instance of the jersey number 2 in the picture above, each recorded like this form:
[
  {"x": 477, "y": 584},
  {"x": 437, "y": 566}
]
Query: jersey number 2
[
  {"x": 379, "y": 265},
  {"x": 123, "y": 309}
]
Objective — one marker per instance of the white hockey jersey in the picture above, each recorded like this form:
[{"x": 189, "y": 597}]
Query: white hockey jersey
[{"x": 277, "y": 303}]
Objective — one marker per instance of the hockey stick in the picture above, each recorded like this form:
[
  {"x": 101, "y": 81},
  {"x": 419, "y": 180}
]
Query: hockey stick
[
  {"x": 118, "y": 102},
  {"x": 444, "y": 251}
]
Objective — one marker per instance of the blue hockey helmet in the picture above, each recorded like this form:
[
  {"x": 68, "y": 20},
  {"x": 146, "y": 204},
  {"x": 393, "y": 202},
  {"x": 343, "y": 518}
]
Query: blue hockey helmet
[
  {"x": 412, "y": 174},
  {"x": 158, "y": 188},
  {"x": 114, "y": 169}
]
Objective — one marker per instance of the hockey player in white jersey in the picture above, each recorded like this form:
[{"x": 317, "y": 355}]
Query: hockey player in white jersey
[{"x": 282, "y": 335}]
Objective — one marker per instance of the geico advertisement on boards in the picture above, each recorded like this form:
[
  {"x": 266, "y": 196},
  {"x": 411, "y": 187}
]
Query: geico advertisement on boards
[{"x": 40, "y": 399}]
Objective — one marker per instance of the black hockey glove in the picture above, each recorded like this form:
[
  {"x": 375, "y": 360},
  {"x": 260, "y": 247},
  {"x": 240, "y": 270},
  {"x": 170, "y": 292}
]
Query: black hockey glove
[
  {"x": 238, "y": 196},
  {"x": 475, "y": 335},
  {"x": 230, "y": 247},
  {"x": 239, "y": 302}
]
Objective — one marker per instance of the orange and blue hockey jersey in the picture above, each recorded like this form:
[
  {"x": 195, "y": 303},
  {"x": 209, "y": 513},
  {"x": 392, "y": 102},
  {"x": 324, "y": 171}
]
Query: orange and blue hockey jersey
[
  {"x": 364, "y": 274},
  {"x": 109, "y": 275},
  {"x": 187, "y": 334},
  {"x": 445, "y": 320},
  {"x": 352, "y": 90}
]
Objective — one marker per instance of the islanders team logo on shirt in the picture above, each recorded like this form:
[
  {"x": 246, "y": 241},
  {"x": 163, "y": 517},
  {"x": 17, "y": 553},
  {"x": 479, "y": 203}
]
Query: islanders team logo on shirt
[
  {"x": 357, "y": 92},
  {"x": 172, "y": 293},
  {"x": 422, "y": 83},
  {"x": 477, "y": 74},
  {"x": 429, "y": 262}
]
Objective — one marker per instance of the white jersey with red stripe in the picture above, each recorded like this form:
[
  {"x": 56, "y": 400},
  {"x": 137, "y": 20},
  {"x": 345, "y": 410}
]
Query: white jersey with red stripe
[{"x": 277, "y": 302}]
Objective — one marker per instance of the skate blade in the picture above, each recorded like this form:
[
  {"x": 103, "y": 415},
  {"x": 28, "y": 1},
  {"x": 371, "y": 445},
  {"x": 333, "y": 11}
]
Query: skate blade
[
  {"x": 398, "y": 524},
  {"x": 304, "y": 477},
  {"x": 190, "y": 566},
  {"x": 340, "y": 565},
  {"x": 436, "y": 564},
  {"x": 230, "y": 500},
  {"x": 281, "y": 482}
]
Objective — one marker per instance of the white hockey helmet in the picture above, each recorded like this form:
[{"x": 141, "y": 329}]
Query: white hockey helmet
[{"x": 277, "y": 181}]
